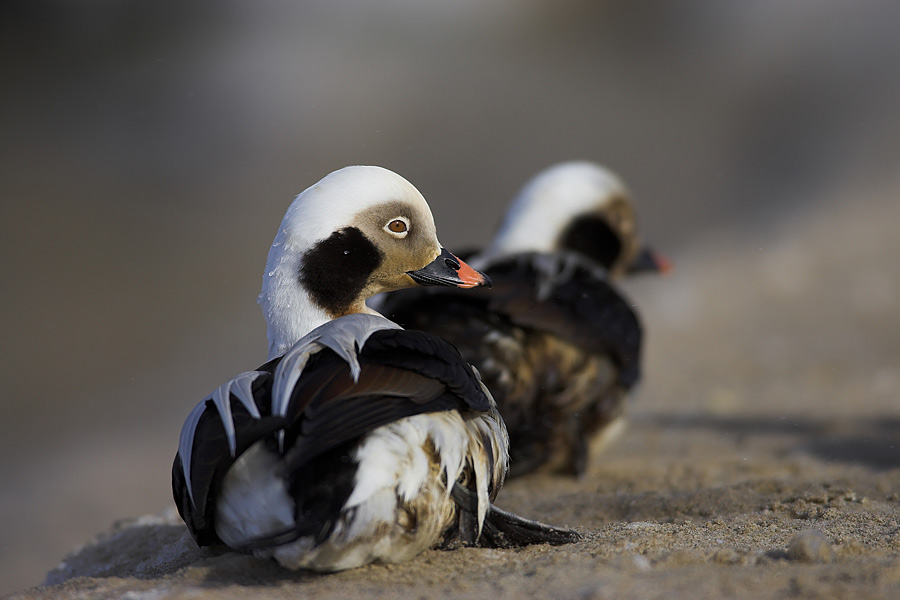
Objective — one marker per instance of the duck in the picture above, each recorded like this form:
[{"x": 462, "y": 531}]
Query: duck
[
  {"x": 357, "y": 441},
  {"x": 555, "y": 340}
]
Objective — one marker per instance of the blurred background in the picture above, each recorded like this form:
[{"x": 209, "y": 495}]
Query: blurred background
[{"x": 149, "y": 150}]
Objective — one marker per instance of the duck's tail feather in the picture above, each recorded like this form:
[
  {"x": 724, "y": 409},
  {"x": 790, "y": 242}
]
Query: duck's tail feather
[{"x": 502, "y": 529}]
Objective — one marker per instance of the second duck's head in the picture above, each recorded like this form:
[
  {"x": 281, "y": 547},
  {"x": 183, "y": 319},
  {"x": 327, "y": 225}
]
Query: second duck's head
[
  {"x": 576, "y": 206},
  {"x": 357, "y": 232}
]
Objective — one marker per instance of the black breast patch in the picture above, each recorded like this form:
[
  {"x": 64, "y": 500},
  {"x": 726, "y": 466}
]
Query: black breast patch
[
  {"x": 336, "y": 269},
  {"x": 593, "y": 237}
]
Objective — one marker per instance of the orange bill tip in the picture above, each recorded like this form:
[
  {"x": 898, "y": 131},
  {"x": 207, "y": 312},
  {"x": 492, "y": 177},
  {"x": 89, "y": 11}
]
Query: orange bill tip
[
  {"x": 470, "y": 277},
  {"x": 663, "y": 264}
]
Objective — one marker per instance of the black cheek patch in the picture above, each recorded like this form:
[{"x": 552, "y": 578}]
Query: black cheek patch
[
  {"x": 593, "y": 237},
  {"x": 335, "y": 270}
]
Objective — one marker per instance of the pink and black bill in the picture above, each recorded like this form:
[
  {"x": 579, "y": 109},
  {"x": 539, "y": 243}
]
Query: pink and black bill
[
  {"x": 649, "y": 260},
  {"x": 448, "y": 270}
]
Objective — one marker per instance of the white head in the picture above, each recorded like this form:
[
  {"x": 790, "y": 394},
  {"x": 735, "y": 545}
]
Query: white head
[
  {"x": 357, "y": 232},
  {"x": 567, "y": 202}
]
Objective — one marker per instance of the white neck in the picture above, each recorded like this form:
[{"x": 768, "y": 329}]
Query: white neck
[{"x": 289, "y": 312}]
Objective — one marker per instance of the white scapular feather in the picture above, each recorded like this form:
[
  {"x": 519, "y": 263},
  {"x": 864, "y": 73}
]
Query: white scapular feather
[
  {"x": 240, "y": 386},
  {"x": 345, "y": 336}
]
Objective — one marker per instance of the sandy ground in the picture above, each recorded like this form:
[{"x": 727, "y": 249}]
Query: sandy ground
[
  {"x": 760, "y": 459},
  {"x": 150, "y": 152}
]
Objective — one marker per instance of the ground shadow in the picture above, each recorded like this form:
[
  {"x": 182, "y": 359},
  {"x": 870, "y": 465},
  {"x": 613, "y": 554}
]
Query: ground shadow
[{"x": 156, "y": 551}]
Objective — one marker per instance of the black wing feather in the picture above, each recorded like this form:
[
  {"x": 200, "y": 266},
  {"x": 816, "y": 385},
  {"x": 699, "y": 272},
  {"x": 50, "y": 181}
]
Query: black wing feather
[{"x": 432, "y": 357}]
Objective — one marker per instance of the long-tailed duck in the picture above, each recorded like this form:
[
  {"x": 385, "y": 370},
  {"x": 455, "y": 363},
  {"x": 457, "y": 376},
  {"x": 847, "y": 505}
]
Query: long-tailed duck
[
  {"x": 557, "y": 344},
  {"x": 358, "y": 441}
]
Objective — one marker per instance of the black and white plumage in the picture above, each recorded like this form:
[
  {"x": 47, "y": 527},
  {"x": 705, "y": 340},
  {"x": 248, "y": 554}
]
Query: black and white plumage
[
  {"x": 358, "y": 442},
  {"x": 556, "y": 343}
]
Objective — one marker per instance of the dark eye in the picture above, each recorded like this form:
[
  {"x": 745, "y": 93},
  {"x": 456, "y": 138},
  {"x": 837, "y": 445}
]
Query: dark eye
[{"x": 398, "y": 226}]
